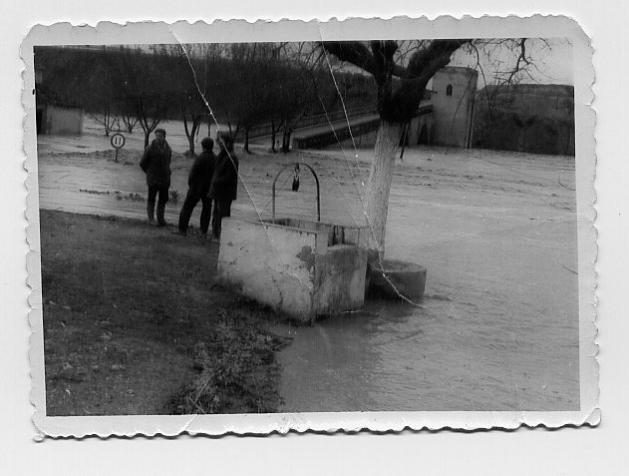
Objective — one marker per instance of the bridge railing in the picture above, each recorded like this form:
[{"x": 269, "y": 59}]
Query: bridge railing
[
  {"x": 314, "y": 120},
  {"x": 322, "y": 119},
  {"x": 321, "y": 139}
]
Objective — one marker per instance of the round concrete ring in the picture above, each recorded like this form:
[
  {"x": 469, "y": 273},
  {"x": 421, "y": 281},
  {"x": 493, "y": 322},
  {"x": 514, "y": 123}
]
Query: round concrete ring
[{"x": 395, "y": 278}]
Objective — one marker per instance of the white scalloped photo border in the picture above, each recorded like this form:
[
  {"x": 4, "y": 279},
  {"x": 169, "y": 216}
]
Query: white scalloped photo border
[{"x": 296, "y": 30}]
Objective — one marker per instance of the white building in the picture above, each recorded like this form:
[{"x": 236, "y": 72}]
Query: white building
[{"x": 447, "y": 117}]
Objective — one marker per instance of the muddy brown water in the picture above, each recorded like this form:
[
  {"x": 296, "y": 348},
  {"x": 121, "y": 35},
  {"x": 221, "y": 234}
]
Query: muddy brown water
[{"x": 498, "y": 327}]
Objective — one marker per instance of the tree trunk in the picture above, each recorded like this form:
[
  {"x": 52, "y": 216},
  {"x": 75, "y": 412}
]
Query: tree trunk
[
  {"x": 106, "y": 123},
  {"x": 378, "y": 185},
  {"x": 191, "y": 132},
  {"x": 404, "y": 139},
  {"x": 189, "y": 136},
  {"x": 273, "y": 137},
  {"x": 286, "y": 141},
  {"x": 246, "y": 145},
  {"x": 196, "y": 125},
  {"x": 191, "y": 146},
  {"x": 129, "y": 123},
  {"x": 148, "y": 128}
]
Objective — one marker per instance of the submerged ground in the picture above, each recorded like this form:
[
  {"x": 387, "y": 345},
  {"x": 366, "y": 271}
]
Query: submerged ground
[{"x": 498, "y": 329}]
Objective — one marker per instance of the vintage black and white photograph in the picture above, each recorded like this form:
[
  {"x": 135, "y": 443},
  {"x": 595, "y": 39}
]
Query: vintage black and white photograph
[{"x": 333, "y": 224}]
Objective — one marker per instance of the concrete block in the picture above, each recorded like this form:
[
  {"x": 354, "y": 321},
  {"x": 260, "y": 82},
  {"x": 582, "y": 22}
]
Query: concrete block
[
  {"x": 291, "y": 266},
  {"x": 340, "y": 279}
]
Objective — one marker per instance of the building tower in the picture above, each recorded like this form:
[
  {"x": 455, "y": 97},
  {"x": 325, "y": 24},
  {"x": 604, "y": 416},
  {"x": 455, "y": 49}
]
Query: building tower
[{"x": 453, "y": 92}]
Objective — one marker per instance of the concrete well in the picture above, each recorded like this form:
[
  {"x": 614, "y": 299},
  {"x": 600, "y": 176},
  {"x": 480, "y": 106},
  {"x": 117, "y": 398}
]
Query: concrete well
[{"x": 303, "y": 268}]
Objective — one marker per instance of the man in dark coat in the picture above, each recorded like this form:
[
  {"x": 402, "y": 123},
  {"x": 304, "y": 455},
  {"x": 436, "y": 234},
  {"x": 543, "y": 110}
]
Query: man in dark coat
[
  {"x": 224, "y": 183},
  {"x": 198, "y": 187},
  {"x": 156, "y": 165}
]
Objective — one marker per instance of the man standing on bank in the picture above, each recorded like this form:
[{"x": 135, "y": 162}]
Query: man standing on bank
[
  {"x": 198, "y": 188},
  {"x": 224, "y": 183},
  {"x": 156, "y": 165}
]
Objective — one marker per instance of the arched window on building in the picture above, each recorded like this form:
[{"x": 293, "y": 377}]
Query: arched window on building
[{"x": 449, "y": 90}]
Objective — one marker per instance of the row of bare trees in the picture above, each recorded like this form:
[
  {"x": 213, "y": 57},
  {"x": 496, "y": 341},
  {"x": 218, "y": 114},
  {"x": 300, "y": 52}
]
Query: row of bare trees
[
  {"x": 118, "y": 87},
  {"x": 268, "y": 86},
  {"x": 264, "y": 86}
]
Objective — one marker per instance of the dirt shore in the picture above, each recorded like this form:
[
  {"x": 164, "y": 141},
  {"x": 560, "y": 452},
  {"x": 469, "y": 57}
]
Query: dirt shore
[{"x": 134, "y": 324}]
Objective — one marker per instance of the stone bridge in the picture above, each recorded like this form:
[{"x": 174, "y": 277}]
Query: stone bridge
[{"x": 361, "y": 128}]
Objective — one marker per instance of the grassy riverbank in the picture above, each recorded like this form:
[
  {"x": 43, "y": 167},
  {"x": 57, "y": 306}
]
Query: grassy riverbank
[{"x": 134, "y": 324}]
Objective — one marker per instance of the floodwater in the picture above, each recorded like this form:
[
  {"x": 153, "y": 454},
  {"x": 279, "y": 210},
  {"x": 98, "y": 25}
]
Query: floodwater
[
  {"x": 497, "y": 231},
  {"x": 498, "y": 328}
]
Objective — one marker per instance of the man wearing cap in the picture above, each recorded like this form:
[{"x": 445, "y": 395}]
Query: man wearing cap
[
  {"x": 198, "y": 187},
  {"x": 156, "y": 165},
  {"x": 224, "y": 183}
]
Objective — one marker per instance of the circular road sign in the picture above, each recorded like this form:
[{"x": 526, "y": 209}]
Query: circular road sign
[{"x": 117, "y": 140}]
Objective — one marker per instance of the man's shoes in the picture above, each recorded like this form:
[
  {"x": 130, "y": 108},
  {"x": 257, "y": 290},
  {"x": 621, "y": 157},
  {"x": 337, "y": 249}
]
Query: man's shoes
[
  {"x": 150, "y": 212},
  {"x": 160, "y": 214}
]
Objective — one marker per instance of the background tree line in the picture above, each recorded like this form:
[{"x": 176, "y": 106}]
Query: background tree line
[
  {"x": 261, "y": 87},
  {"x": 536, "y": 118}
]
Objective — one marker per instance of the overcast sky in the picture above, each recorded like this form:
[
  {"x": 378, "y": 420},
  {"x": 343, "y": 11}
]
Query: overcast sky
[{"x": 551, "y": 61}]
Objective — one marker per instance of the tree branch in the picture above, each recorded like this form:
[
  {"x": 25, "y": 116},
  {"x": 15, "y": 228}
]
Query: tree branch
[
  {"x": 434, "y": 57},
  {"x": 353, "y": 52},
  {"x": 422, "y": 66},
  {"x": 522, "y": 59}
]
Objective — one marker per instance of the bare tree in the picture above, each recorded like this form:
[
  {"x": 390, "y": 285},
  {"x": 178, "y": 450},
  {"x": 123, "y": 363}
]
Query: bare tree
[
  {"x": 128, "y": 120},
  {"x": 106, "y": 118},
  {"x": 401, "y": 71},
  {"x": 293, "y": 88},
  {"x": 190, "y": 88},
  {"x": 400, "y": 89},
  {"x": 256, "y": 70},
  {"x": 99, "y": 90},
  {"x": 147, "y": 88}
]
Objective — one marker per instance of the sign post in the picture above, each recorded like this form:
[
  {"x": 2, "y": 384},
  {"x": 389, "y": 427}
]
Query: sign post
[{"x": 117, "y": 142}]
